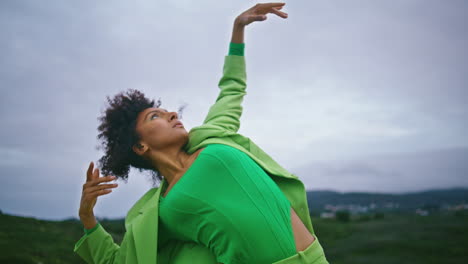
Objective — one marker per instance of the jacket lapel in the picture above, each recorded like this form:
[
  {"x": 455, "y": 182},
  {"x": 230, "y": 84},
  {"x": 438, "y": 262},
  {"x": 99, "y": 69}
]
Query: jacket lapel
[{"x": 145, "y": 229}]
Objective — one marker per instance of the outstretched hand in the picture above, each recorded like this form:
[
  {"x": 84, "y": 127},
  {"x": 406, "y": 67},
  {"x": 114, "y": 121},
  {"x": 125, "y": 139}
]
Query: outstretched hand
[
  {"x": 259, "y": 11},
  {"x": 92, "y": 189}
]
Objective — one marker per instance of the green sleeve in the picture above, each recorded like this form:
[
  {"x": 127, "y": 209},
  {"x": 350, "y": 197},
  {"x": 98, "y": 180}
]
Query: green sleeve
[
  {"x": 98, "y": 247},
  {"x": 225, "y": 113},
  {"x": 236, "y": 49},
  {"x": 89, "y": 231},
  {"x": 223, "y": 118}
]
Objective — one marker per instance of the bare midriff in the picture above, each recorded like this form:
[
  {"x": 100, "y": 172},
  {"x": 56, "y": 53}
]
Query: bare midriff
[{"x": 302, "y": 236}]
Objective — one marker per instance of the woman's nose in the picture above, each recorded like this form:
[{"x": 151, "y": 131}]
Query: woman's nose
[{"x": 173, "y": 115}]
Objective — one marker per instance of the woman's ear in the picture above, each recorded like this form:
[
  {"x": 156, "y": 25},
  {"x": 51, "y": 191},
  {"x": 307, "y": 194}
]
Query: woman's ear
[{"x": 139, "y": 149}]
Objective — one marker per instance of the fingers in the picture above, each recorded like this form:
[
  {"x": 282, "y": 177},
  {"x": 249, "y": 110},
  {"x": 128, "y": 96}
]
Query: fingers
[
  {"x": 92, "y": 189},
  {"x": 102, "y": 192},
  {"x": 99, "y": 180},
  {"x": 91, "y": 192},
  {"x": 105, "y": 178},
  {"x": 259, "y": 11},
  {"x": 102, "y": 187},
  {"x": 89, "y": 175},
  {"x": 268, "y": 5},
  {"x": 92, "y": 174},
  {"x": 96, "y": 173},
  {"x": 269, "y": 8},
  {"x": 279, "y": 13}
]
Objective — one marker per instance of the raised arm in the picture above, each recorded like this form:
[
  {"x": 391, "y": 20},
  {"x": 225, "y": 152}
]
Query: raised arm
[
  {"x": 225, "y": 113},
  {"x": 223, "y": 118}
]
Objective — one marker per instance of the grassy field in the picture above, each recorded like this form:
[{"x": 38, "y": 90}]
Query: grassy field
[
  {"x": 440, "y": 238},
  {"x": 392, "y": 239}
]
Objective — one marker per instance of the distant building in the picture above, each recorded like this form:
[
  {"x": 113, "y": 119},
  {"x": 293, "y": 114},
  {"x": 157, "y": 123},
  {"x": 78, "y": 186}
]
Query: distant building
[
  {"x": 330, "y": 207},
  {"x": 422, "y": 212},
  {"x": 327, "y": 215}
]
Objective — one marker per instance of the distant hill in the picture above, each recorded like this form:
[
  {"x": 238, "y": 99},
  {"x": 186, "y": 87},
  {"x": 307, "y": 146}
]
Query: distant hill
[
  {"x": 437, "y": 198},
  {"x": 27, "y": 240}
]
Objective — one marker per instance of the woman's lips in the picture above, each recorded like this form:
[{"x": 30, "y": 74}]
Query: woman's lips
[{"x": 178, "y": 124}]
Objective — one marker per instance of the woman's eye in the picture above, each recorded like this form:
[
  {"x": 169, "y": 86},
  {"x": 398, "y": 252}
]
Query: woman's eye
[{"x": 153, "y": 116}]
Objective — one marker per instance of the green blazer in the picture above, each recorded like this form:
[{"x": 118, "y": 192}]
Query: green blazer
[{"x": 140, "y": 242}]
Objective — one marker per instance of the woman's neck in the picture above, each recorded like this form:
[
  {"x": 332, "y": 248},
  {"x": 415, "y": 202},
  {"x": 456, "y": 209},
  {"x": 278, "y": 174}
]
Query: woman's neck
[{"x": 172, "y": 164}]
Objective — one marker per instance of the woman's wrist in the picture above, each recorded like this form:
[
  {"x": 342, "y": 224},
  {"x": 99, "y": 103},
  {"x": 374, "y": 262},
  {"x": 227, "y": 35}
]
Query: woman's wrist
[
  {"x": 89, "y": 231},
  {"x": 88, "y": 222},
  {"x": 237, "y": 33}
]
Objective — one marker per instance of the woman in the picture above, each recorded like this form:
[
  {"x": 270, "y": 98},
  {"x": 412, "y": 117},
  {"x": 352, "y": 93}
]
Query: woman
[{"x": 221, "y": 200}]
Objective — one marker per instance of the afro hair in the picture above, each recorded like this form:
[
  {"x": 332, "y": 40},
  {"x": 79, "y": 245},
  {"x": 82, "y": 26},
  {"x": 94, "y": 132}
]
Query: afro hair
[{"x": 117, "y": 133}]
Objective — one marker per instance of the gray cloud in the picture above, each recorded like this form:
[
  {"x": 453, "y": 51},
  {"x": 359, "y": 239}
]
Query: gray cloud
[{"x": 390, "y": 172}]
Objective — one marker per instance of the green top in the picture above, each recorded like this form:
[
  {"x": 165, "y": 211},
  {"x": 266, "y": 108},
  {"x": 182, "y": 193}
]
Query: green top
[
  {"x": 234, "y": 49},
  {"x": 226, "y": 202}
]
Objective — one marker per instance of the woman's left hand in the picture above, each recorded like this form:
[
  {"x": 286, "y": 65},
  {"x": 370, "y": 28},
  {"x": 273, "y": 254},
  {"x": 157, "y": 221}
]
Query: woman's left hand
[{"x": 258, "y": 13}]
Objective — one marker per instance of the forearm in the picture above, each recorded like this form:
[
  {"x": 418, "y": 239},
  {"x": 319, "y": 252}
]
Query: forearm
[{"x": 237, "y": 33}]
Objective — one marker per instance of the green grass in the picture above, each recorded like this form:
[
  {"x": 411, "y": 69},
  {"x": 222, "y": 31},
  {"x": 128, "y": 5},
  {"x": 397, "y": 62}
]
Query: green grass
[{"x": 396, "y": 238}]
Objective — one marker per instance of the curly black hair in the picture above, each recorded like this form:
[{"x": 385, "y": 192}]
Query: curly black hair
[{"x": 118, "y": 135}]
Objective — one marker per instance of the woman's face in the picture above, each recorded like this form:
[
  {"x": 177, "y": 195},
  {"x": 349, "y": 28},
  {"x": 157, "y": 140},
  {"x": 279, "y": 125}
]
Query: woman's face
[{"x": 157, "y": 130}]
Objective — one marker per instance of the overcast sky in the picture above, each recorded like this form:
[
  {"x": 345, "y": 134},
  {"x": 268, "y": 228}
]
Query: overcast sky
[{"x": 348, "y": 95}]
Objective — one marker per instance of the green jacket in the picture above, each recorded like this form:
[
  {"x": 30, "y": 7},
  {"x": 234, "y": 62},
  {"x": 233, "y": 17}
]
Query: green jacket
[{"x": 140, "y": 242}]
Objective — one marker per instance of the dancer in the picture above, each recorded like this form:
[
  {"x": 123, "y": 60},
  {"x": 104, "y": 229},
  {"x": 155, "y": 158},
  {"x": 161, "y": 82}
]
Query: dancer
[{"x": 221, "y": 198}]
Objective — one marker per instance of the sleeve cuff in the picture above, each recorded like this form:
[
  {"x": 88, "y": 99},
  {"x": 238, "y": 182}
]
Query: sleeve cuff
[
  {"x": 236, "y": 49},
  {"x": 89, "y": 231}
]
